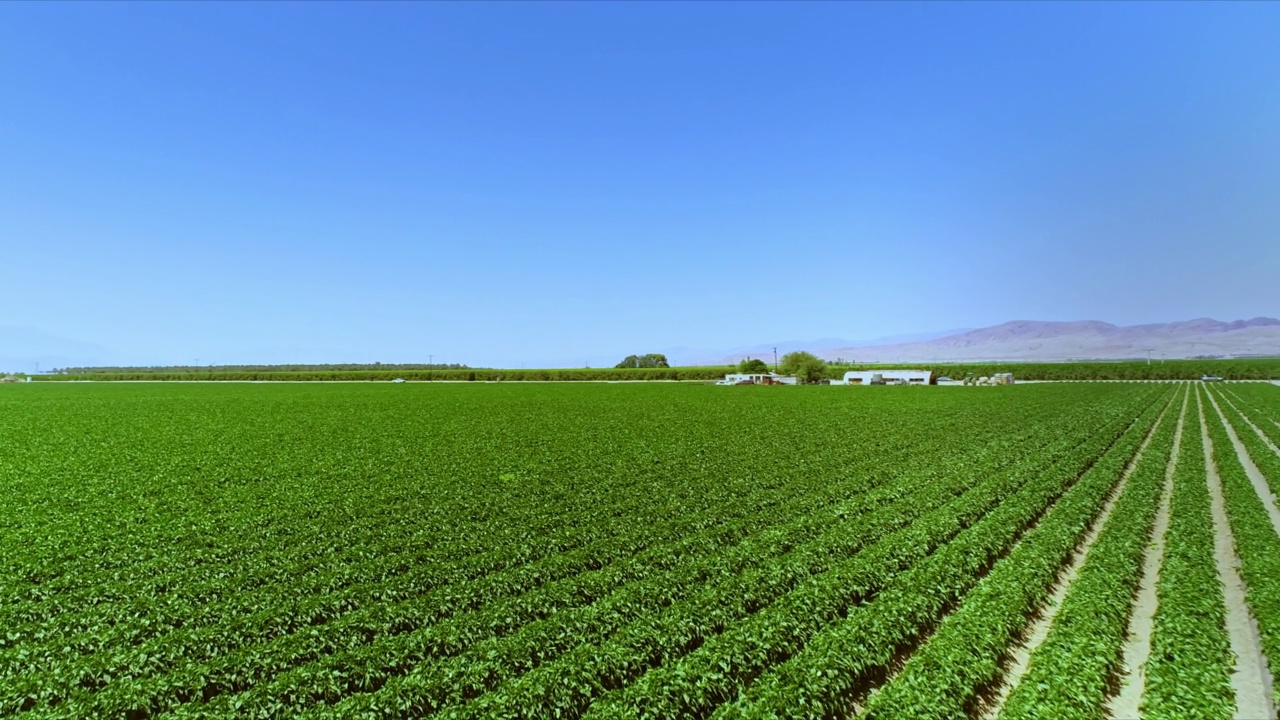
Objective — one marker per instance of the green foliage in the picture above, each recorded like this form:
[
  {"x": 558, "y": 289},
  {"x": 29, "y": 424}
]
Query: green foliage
[
  {"x": 651, "y": 360},
  {"x": 809, "y": 368},
  {"x": 1257, "y": 541},
  {"x": 539, "y": 551},
  {"x": 457, "y": 375},
  {"x": 1071, "y": 673},
  {"x": 818, "y": 681},
  {"x": 240, "y": 369},
  {"x": 753, "y": 366},
  {"x": 1188, "y": 671},
  {"x": 1247, "y": 369}
]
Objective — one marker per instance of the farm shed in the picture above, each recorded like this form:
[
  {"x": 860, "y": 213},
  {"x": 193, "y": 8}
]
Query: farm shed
[
  {"x": 909, "y": 377},
  {"x": 757, "y": 379}
]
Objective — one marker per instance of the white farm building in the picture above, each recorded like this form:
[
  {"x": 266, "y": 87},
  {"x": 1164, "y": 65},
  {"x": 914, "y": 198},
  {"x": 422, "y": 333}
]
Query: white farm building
[
  {"x": 889, "y": 377},
  {"x": 757, "y": 379}
]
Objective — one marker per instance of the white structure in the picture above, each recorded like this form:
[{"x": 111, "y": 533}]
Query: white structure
[
  {"x": 756, "y": 379},
  {"x": 997, "y": 379},
  {"x": 890, "y": 377}
]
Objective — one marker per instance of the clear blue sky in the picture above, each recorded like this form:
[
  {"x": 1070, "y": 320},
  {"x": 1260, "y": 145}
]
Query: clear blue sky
[{"x": 507, "y": 184}]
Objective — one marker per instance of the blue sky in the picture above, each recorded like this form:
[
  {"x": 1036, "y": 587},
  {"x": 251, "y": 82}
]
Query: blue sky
[{"x": 532, "y": 184}]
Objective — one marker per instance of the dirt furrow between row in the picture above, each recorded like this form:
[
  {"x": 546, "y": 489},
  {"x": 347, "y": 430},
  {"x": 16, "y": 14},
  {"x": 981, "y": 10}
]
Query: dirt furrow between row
[
  {"x": 1249, "y": 680},
  {"x": 1137, "y": 646}
]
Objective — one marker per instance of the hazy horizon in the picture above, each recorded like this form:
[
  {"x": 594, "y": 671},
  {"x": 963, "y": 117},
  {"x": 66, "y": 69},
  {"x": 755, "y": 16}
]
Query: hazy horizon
[{"x": 525, "y": 184}]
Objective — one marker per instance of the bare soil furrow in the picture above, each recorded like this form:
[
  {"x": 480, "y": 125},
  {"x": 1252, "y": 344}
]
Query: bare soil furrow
[
  {"x": 1250, "y": 677},
  {"x": 1137, "y": 647}
]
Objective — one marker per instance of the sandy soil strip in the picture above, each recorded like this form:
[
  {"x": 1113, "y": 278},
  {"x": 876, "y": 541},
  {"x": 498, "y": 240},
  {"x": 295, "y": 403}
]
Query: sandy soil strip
[
  {"x": 1250, "y": 678},
  {"x": 1137, "y": 646},
  {"x": 1256, "y": 478},
  {"x": 1035, "y": 633}
]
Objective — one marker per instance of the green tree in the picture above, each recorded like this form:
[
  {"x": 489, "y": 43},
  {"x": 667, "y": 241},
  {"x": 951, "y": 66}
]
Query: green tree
[
  {"x": 809, "y": 368},
  {"x": 753, "y": 365},
  {"x": 651, "y": 360},
  {"x": 654, "y": 360}
]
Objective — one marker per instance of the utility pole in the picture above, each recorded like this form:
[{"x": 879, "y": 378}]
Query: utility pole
[
  {"x": 430, "y": 358},
  {"x": 775, "y": 359}
]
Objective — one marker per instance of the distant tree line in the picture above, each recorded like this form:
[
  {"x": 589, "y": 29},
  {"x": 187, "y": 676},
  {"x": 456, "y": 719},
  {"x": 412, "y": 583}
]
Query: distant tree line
[
  {"x": 455, "y": 375},
  {"x": 181, "y": 369},
  {"x": 1240, "y": 369}
]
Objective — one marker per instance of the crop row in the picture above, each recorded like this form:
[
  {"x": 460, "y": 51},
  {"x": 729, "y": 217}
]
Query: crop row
[
  {"x": 410, "y": 584},
  {"x": 567, "y": 685},
  {"x": 1187, "y": 674},
  {"x": 397, "y": 608},
  {"x": 808, "y": 658},
  {"x": 663, "y": 631},
  {"x": 381, "y": 521},
  {"x": 1266, "y": 459},
  {"x": 1072, "y": 673},
  {"x": 422, "y": 573},
  {"x": 251, "y": 551},
  {"x": 359, "y": 651},
  {"x": 1256, "y": 540},
  {"x": 379, "y": 555},
  {"x": 945, "y": 675},
  {"x": 149, "y": 613},
  {"x": 1263, "y": 399},
  {"x": 585, "y": 613},
  {"x": 487, "y": 653}
]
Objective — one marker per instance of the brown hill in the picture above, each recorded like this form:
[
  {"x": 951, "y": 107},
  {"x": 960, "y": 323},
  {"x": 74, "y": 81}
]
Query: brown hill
[{"x": 1032, "y": 340}]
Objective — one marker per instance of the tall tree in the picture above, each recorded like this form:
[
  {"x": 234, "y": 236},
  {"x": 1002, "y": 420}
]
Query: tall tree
[
  {"x": 809, "y": 368},
  {"x": 651, "y": 360},
  {"x": 654, "y": 360}
]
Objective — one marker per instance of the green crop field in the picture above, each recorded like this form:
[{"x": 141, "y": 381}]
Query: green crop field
[{"x": 655, "y": 551}]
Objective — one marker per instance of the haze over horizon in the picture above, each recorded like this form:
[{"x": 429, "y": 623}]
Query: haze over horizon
[{"x": 515, "y": 184}]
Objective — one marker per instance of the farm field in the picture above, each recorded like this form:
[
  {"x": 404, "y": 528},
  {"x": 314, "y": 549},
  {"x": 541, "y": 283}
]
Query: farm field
[
  {"x": 1065, "y": 550},
  {"x": 1233, "y": 369}
]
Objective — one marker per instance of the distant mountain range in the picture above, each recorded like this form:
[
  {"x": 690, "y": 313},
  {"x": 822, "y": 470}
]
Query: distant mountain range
[
  {"x": 1054, "y": 341},
  {"x": 1030, "y": 340}
]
